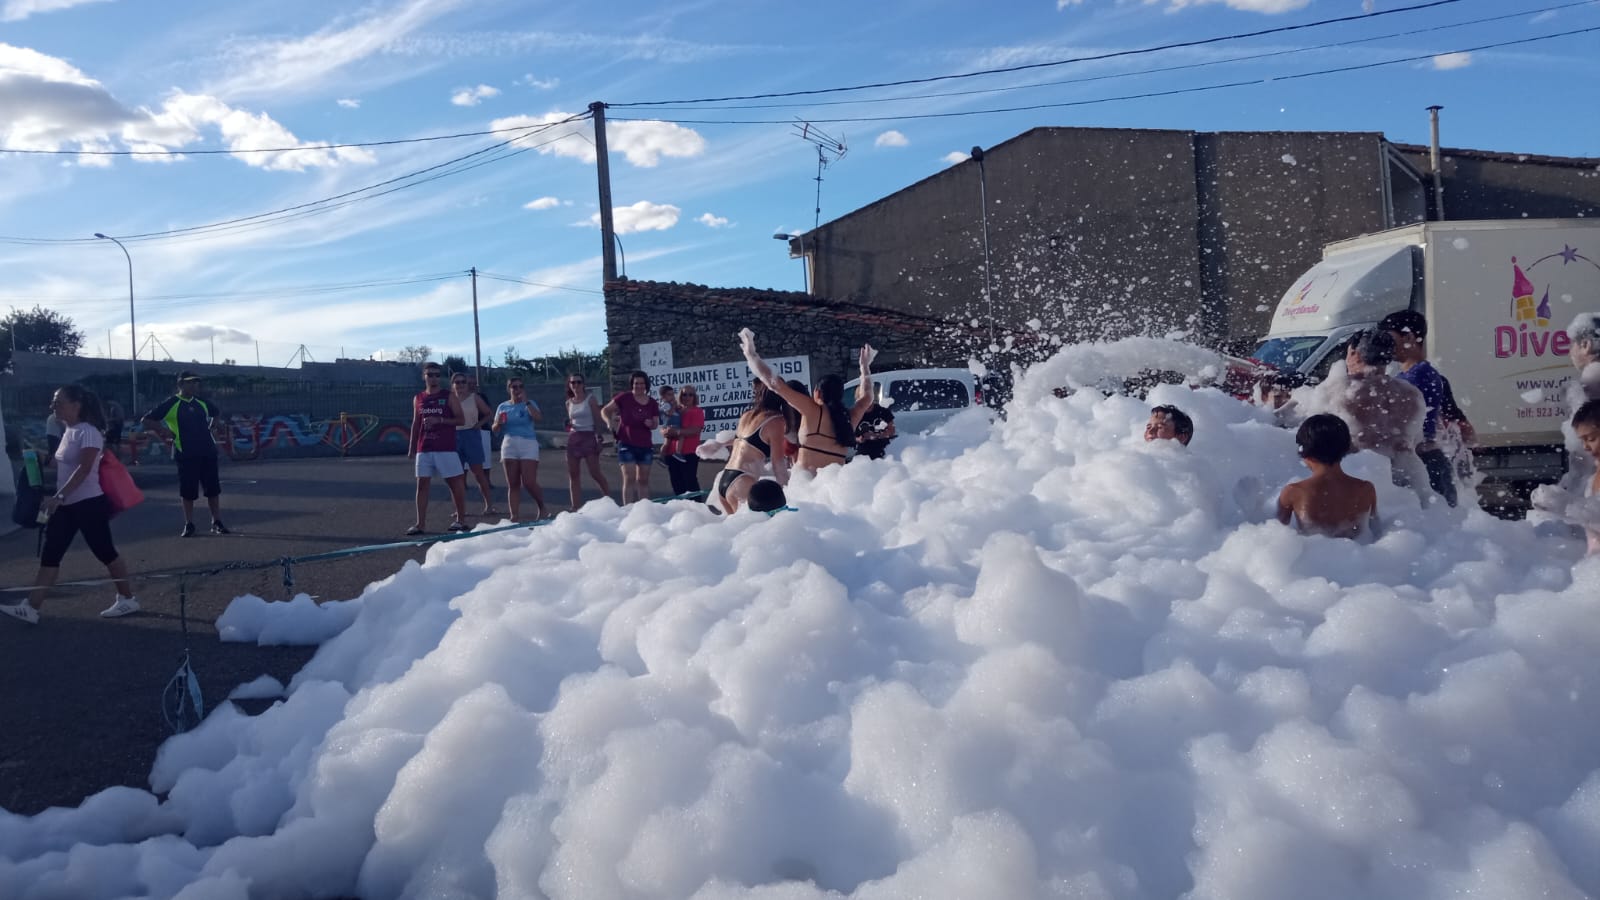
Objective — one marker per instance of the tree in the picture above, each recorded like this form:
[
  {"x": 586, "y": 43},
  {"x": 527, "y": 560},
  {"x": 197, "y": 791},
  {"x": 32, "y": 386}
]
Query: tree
[
  {"x": 416, "y": 353},
  {"x": 38, "y": 330},
  {"x": 453, "y": 364}
]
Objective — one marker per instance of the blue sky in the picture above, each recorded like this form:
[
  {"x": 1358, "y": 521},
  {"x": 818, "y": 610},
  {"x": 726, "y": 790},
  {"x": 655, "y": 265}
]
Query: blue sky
[{"x": 696, "y": 202}]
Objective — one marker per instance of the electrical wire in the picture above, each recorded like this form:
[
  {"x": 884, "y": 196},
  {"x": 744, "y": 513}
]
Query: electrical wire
[
  {"x": 219, "y": 152},
  {"x": 330, "y": 203},
  {"x": 311, "y": 290},
  {"x": 1140, "y": 96},
  {"x": 1137, "y": 72},
  {"x": 514, "y": 280},
  {"x": 1116, "y": 54}
]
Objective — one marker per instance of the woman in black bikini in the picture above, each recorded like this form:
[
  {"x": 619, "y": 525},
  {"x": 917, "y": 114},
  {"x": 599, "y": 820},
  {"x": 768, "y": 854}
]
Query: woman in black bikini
[
  {"x": 827, "y": 426},
  {"x": 760, "y": 431}
]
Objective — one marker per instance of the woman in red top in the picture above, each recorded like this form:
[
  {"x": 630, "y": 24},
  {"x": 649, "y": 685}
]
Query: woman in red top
[{"x": 683, "y": 439}]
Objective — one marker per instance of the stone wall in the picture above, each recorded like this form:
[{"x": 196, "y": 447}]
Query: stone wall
[{"x": 703, "y": 324}]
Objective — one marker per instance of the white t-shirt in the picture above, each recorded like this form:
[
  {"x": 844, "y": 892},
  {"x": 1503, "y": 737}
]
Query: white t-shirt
[{"x": 73, "y": 441}]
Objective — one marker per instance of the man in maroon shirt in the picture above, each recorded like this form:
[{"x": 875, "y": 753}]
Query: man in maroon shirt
[{"x": 435, "y": 415}]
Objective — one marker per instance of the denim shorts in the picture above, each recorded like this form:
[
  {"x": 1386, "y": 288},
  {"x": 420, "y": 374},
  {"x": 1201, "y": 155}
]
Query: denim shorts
[{"x": 635, "y": 456}]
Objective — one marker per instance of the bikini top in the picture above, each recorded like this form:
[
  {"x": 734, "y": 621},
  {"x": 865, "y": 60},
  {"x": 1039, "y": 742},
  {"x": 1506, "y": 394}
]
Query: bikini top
[
  {"x": 754, "y": 438},
  {"x": 834, "y": 438}
]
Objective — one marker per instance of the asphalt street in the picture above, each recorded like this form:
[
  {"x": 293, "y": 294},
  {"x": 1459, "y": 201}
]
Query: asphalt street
[{"x": 81, "y": 706}]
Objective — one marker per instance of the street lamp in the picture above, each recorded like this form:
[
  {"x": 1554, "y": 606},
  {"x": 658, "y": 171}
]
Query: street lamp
[
  {"x": 133, "y": 338},
  {"x": 805, "y": 266},
  {"x": 983, "y": 203}
]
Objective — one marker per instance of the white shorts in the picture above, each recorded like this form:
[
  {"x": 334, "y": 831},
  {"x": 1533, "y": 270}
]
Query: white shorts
[
  {"x": 441, "y": 464},
  {"x": 513, "y": 447}
]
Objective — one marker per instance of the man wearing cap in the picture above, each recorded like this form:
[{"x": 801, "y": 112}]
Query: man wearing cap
[{"x": 186, "y": 420}]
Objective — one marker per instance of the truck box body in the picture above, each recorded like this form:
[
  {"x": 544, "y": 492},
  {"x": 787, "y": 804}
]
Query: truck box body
[{"x": 1498, "y": 296}]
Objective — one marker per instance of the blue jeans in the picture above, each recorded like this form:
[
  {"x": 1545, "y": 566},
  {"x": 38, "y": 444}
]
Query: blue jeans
[{"x": 628, "y": 454}]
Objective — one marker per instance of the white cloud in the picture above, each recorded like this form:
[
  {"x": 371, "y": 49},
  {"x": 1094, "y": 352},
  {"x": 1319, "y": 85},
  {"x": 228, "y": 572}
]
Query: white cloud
[
  {"x": 196, "y": 332},
  {"x": 48, "y": 104},
  {"x": 642, "y": 143},
  {"x": 276, "y": 68},
  {"x": 711, "y": 221},
  {"x": 17, "y": 10},
  {"x": 1267, "y": 7},
  {"x": 891, "y": 138},
  {"x": 1063, "y": 4},
  {"x": 474, "y": 95},
  {"x": 1447, "y": 61},
  {"x": 546, "y": 203},
  {"x": 956, "y": 156},
  {"x": 348, "y": 103},
  {"x": 641, "y": 216},
  {"x": 540, "y": 84}
]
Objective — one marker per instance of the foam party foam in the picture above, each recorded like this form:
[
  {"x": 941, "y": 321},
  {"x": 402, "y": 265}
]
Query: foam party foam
[{"x": 1038, "y": 657}]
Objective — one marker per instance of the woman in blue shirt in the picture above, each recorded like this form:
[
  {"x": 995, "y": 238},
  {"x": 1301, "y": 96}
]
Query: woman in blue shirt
[{"x": 519, "y": 447}]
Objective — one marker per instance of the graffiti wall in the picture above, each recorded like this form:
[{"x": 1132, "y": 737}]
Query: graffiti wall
[{"x": 248, "y": 437}]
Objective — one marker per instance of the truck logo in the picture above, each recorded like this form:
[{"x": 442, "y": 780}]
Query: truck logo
[
  {"x": 1300, "y": 306},
  {"x": 1518, "y": 339}
]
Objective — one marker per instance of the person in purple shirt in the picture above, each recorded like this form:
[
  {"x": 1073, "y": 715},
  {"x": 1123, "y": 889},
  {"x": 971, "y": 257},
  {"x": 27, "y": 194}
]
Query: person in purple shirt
[
  {"x": 633, "y": 416},
  {"x": 1409, "y": 330}
]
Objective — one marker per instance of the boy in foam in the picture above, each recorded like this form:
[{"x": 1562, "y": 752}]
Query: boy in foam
[
  {"x": 1169, "y": 423},
  {"x": 1566, "y": 504},
  {"x": 1387, "y": 413},
  {"x": 1330, "y": 502},
  {"x": 767, "y": 496}
]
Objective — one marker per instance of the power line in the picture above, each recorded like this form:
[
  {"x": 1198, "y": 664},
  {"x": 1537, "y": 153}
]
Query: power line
[
  {"x": 1043, "y": 65},
  {"x": 1141, "y": 96},
  {"x": 515, "y": 280},
  {"x": 217, "y": 152},
  {"x": 1137, "y": 72},
  {"x": 326, "y": 204},
  {"x": 262, "y": 293}
]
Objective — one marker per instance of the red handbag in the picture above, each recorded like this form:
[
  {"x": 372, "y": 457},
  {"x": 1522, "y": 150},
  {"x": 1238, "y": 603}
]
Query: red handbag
[{"x": 116, "y": 482}]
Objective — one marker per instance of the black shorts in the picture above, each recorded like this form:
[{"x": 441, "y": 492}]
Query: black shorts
[
  {"x": 197, "y": 473},
  {"x": 92, "y": 517}
]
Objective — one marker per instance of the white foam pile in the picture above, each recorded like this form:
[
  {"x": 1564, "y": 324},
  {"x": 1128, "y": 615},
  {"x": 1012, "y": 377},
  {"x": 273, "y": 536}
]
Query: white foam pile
[{"x": 1036, "y": 659}]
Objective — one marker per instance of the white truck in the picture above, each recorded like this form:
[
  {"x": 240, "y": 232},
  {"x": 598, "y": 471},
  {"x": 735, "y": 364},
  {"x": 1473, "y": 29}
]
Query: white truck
[{"x": 1498, "y": 296}]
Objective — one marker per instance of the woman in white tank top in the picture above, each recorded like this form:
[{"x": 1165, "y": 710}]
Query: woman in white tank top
[{"x": 583, "y": 439}]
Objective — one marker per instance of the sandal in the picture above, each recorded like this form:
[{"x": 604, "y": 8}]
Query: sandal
[
  {"x": 458, "y": 525},
  {"x": 414, "y": 530}
]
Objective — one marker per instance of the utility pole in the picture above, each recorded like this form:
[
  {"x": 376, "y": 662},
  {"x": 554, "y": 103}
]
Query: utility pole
[
  {"x": 602, "y": 167},
  {"x": 477, "y": 342}
]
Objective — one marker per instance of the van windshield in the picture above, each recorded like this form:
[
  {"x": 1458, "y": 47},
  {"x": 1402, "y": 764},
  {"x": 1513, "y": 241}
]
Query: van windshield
[{"x": 1286, "y": 354}]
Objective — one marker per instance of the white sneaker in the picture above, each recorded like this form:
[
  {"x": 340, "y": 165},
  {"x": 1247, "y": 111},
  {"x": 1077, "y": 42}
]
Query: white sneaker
[
  {"x": 124, "y": 606},
  {"x": 23, "y": 611}
]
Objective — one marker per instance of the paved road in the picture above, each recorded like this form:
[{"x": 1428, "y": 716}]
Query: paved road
[{"x": 80, "y": 709}]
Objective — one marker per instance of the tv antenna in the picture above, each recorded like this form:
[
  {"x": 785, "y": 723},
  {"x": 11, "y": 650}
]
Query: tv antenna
[{"x": 829, "y": 151}]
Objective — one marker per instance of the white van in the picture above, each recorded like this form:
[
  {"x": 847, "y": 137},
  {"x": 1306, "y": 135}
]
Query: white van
[{"x": 921, "y": 398}]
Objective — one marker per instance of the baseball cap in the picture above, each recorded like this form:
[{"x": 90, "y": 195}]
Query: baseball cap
[{"x": 188, "y": 376}]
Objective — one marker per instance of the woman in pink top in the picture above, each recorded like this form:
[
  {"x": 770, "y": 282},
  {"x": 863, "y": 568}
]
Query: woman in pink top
[
  {"x": 683, "y": 439},
  {"x": 78, "y": 506},
  {"x": 633, "y": 416}
]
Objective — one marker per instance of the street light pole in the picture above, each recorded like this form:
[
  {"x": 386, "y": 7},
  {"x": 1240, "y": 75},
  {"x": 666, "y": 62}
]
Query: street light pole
[
  {"x": 805, "y": 264},
  {"x": 983, "y": 203},
  {"x": 133, "y": 337}
]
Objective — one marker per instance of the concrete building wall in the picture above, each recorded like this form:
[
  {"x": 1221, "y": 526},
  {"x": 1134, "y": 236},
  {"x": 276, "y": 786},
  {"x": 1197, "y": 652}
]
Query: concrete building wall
[
  {"x": 1091, "y": 231},
  {"x": 1487, "y": 185},
  {"x": 1269, "y": 201},
  {"x": 1107, "y": 231}
]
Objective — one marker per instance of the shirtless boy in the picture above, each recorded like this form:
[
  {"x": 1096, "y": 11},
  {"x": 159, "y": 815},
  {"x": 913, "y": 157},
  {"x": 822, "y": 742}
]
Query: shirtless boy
[{"x": 1330, "y": 502}]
